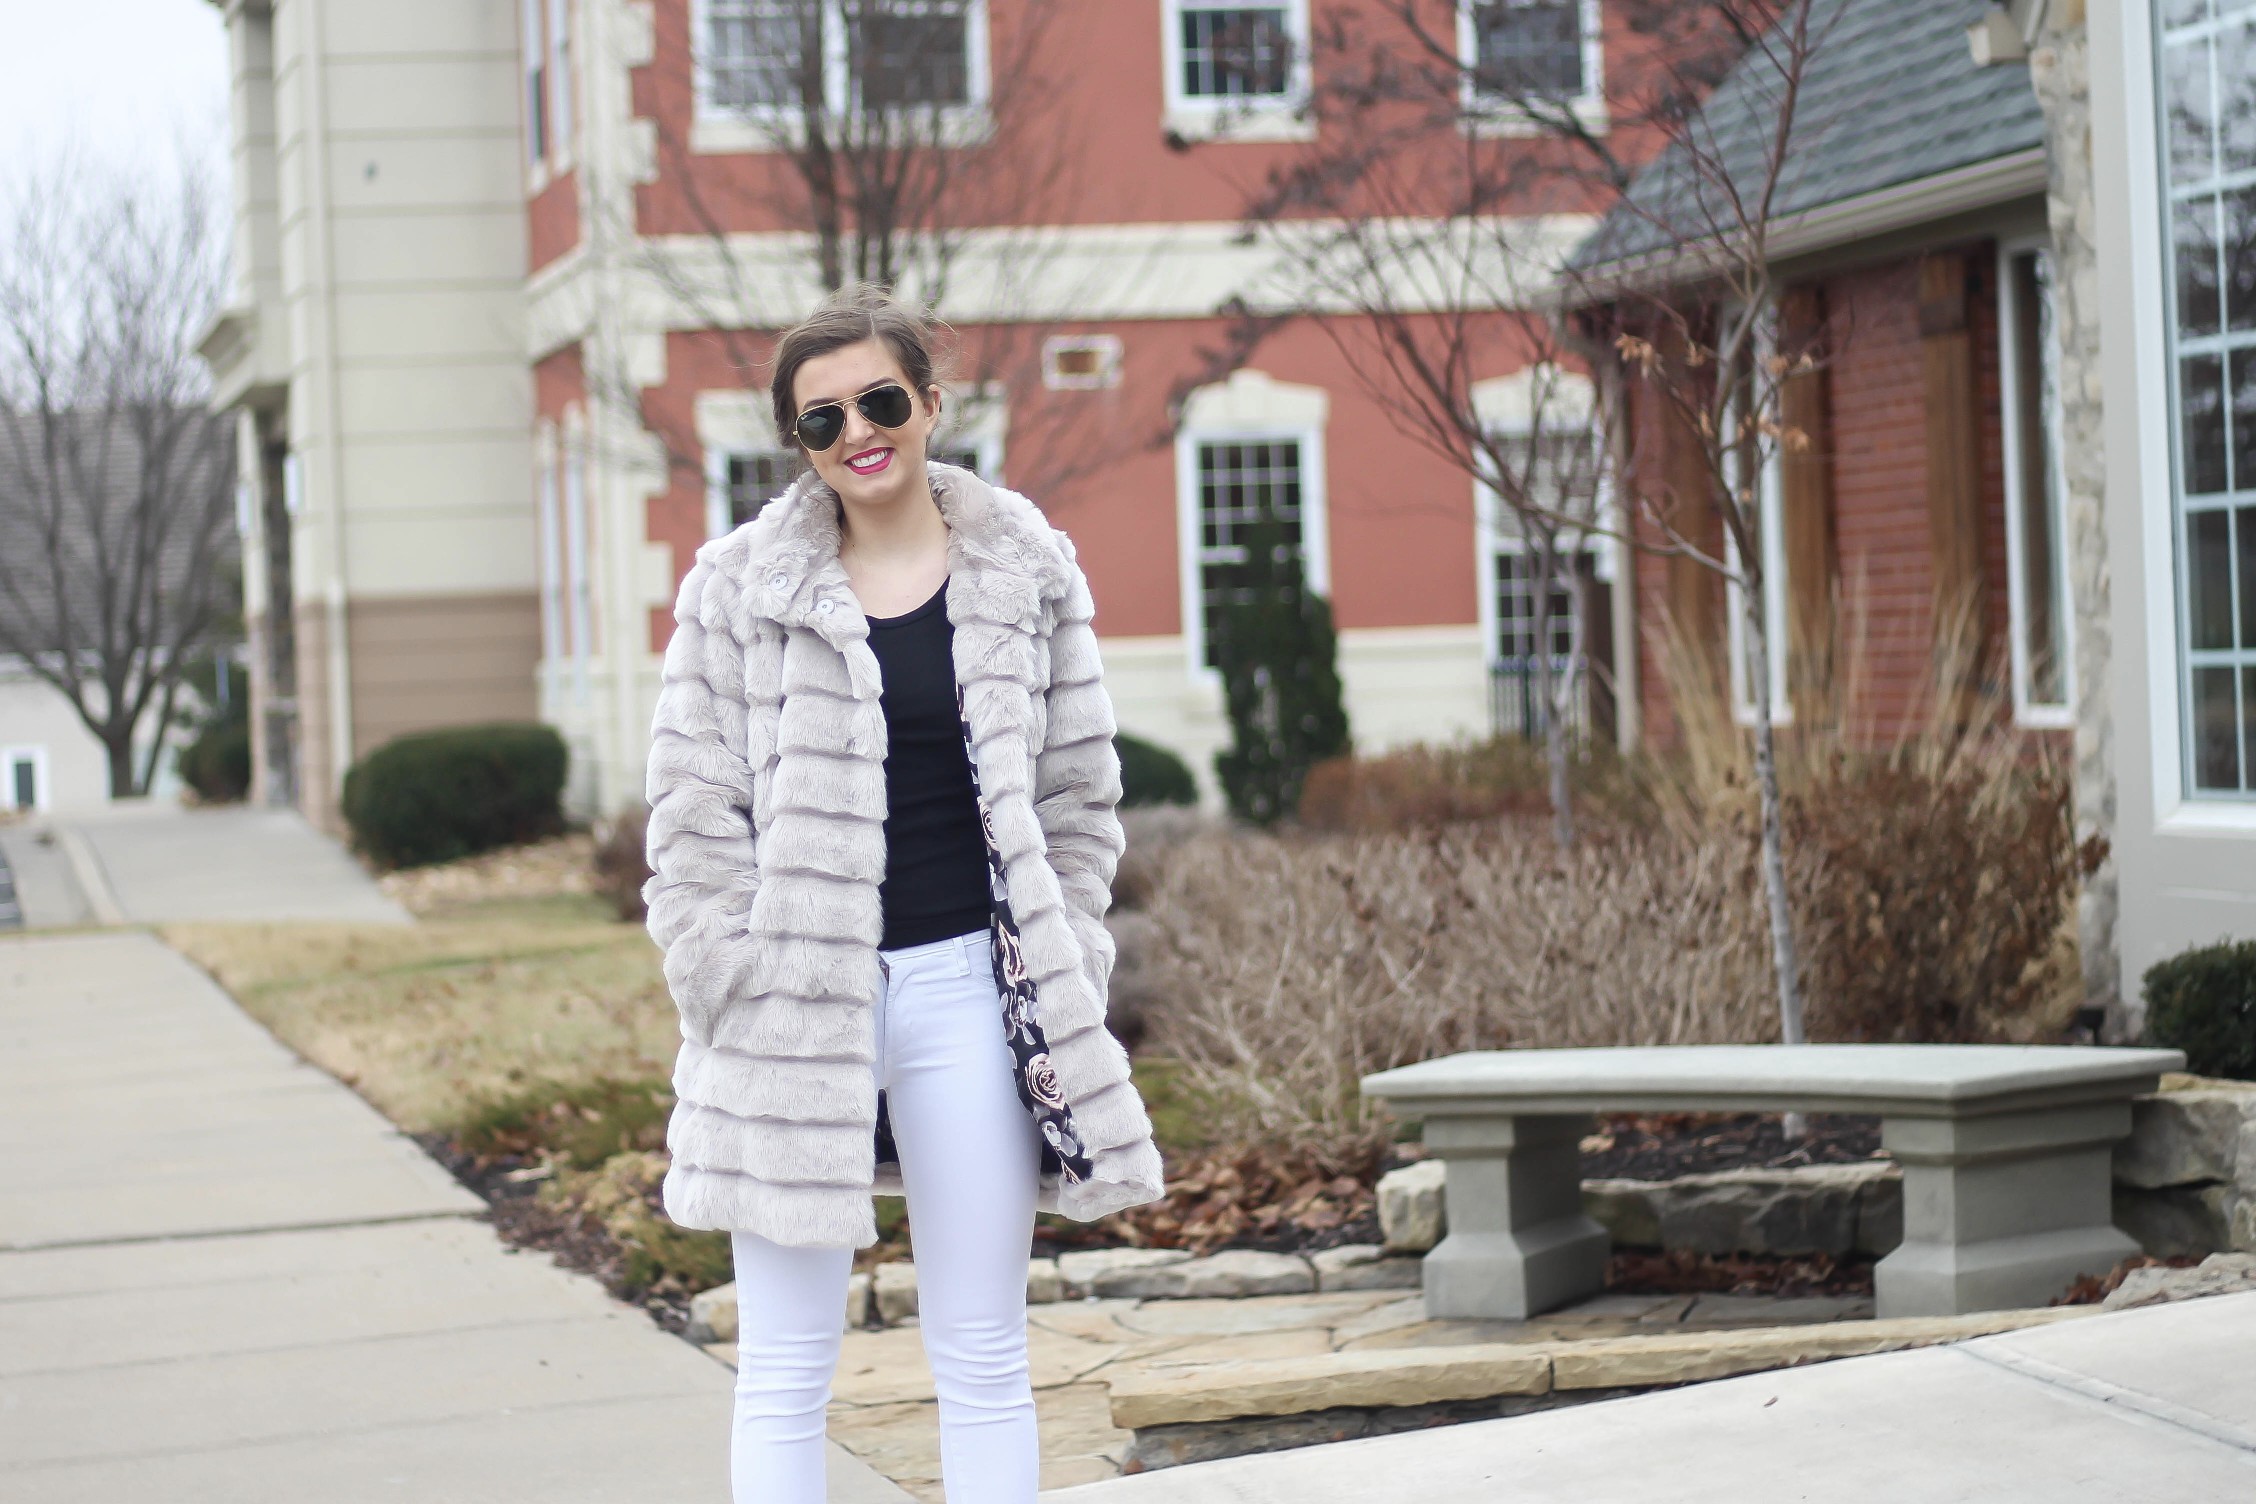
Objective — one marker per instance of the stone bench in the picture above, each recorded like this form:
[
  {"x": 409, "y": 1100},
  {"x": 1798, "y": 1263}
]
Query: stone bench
[{"x": 2005, "y": 1151}]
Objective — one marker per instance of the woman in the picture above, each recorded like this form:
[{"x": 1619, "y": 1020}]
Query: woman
[{"x": 882, "y": 786}]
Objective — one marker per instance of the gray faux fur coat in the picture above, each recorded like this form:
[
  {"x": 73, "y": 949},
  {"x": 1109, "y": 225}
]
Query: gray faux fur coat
[{"x": 767, "y": 803}]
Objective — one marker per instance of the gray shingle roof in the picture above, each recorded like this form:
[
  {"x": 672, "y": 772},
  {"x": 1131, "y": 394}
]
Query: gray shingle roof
[{"x": 1892, "y": 95}]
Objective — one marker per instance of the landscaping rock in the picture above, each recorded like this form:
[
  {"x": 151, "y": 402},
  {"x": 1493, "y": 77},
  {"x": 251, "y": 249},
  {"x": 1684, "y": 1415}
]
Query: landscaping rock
[
  {"x": 1684, "y": 1357},
  {"x": 1364, "y": 1266},
  {"x": 1412, "y": 1212},
  {"x": 1164, "y": 1395},
  {"x": 1090, "y": 1271},
  {"x": 2218, "y": 1274},
  {"x": 2188, "y": 1135},
  {"x": 1833, "y": 1209},
  {"x": 712, "y": 1315},
  {"x": 1044, "y": 1285},
  {"x": 895, "y": 1286},
  {"x": 2183, "y": 1221},
  {"x": 1222, "y": 1276}
]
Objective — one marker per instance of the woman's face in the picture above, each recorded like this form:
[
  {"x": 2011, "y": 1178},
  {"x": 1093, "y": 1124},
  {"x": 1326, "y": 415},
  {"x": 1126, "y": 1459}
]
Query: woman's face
[{"x": 869, "y": 465}]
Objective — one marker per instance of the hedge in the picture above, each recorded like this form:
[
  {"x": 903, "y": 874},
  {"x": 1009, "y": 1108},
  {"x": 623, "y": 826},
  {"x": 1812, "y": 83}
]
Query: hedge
[
  {"x": 2203, "y": 1001},
  {"x": 1151, "y": 774},
  {"x": 435, "y": 796},
  {"x": 217, "y": 764}
]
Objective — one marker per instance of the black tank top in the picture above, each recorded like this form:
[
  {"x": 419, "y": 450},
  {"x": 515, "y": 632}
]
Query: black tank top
[{"x": 935, "y": 854}]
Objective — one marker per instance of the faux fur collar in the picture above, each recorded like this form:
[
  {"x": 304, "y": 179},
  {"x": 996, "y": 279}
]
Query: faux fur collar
[{"x": 1004, "y": 559}]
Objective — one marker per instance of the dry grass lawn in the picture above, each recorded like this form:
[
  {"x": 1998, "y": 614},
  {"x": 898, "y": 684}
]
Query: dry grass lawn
[{"x": 478, "y": 1001}]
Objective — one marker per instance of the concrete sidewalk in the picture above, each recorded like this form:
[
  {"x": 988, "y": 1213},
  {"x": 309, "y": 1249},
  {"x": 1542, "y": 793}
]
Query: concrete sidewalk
[
  {"x": 157, "y": 863},
  {"x": 2151, "y": 1406},
  {"x": 223, "y": 1277}
]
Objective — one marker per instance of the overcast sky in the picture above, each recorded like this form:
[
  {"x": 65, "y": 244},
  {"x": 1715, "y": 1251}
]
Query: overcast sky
[{"x": 118, "y": 80}]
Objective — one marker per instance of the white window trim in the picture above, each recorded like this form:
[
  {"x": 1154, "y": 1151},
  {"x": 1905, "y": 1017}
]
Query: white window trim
[
  {"x": 1489, "y": 117},
  {"x": 580, "y": 545},
  {"x": 978, "y": 421},
  {"x": 1108, "y": 352},
  {"x": 1775, "y": 596},
  {"x": 42, "y": 785},
  {"x": 1198, "y": 118},
  {"x": 717, "y": 129},
  {"x": 563, "y": 98},
  {"x": 548, "y": 496},
  {"x": 1249, "y": 408},
  {"x": 532, "y": 90},
  {"x": 2178, "y": 809},
  {"x": 1504, "y": 406},
  {"x": 2042, "y": 717}
]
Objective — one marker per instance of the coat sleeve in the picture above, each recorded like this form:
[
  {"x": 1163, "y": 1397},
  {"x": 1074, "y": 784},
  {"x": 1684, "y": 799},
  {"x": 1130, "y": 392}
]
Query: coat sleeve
[
  {"x": 1077, "y": 777},
  {"x": 704, "y": 869}
]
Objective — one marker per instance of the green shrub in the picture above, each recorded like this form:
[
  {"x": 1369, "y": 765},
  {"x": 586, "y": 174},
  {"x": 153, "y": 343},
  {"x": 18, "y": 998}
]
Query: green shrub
[
  {"x": 1150, "y": 774},
  {"x": 217, "y": 764},
  {"x": 2203, "y": 1001},
  {"x": 435, "y": 796},
  {"x": 1277, "y": 653}
]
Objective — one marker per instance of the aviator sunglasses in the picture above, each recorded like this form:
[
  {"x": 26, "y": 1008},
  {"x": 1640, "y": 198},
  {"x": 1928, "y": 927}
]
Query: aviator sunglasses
[{"x": 887, "y": 406}]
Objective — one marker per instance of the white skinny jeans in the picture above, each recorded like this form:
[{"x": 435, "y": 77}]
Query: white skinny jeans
[{"x": 970, "y": 1158}]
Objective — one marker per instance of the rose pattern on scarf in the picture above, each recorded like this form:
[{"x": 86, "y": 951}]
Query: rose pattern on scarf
[{"x": 1038, "y": 1088}]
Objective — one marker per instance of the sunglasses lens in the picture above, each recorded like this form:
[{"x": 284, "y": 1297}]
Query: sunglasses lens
[
  {"x": 887, "y": 407},
  {"x": 819, "y": 427}
]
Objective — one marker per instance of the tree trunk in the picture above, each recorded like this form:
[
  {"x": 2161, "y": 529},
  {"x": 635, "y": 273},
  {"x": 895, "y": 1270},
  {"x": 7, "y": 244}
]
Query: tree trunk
[
  {"x": 117, "y": 742},
  {"x": 1547, "y": 691},
  {"x": 1782, "y": 950}
]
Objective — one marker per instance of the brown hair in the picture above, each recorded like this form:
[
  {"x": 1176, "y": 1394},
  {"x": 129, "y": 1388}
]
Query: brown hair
[{"x": 857, "y": 311}]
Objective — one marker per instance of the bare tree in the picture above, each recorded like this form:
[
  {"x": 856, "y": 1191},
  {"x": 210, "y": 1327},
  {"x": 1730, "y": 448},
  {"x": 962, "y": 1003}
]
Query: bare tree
[
  {"x": 1683, "y": 282},
  {"x": 910, "y": 146},
  {"x": 115, "y": 482},
  {"x": 1410, "y": 217},
  {"x": 1405, "y": 230}
]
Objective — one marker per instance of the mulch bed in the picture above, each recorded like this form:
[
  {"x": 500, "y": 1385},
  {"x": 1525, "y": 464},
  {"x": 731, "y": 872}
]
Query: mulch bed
[{"x": 1664, "y": 1145}]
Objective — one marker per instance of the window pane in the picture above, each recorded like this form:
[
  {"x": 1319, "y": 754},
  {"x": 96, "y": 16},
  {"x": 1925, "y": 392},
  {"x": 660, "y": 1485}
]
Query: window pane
[
  {"x": 764, "y": 53},
  {"x": 2209, "y": 603},
  {"x": 909, "y": 52},
  {"x": 2185, "y": 80},
  {"x": 2216, "y": 730},
  {"x": 25, "y": 775},
  {"x": 2236, "y": 103},
  {"x": 754, "y": 480},
  {"x": 1527, "y": 47},
  {"x": 962, "y": 459},
  {"x": 2240, "y": 260},
  {"x": 2244, "y": 533},
  {"x": 2193, "y": 233},
  {"x": 1236, "y": 53},
  {"x": 2202, "y": 395},
  {"x": 1236, "y": 482},
  {"x": 2044, "y": 621},
  {"x": 2244, "y": 418}
]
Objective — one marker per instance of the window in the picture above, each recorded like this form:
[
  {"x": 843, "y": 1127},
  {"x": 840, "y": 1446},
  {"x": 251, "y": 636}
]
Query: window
[
  {"x": 553, "y": 646},
  {"x": 1238, "y": 483},
  {"x": 774, "y": 55},
  {"x": 1766, "y": 502},
  {"x": 2036, "y": 555},
  {"x": 1561, "y": 474},
  {"x": 750, "y": 481},
  {"x": 23, "y": 778},
  {"x": 2207, "y": 93},
  {"x": 536, "y": 83},
  {"x": 560, "y": 77},
  {"x": 1236, "y": 69},
  {"x": 1235, "y": 53},
  {"x": 903, "y": 53},
  {"x": 1528, "y": 47},
  {"x": 1080, "y": 362}
]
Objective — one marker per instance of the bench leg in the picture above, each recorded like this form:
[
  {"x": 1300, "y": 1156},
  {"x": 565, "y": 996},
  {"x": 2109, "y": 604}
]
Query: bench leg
[
  {"x": 2002, "y": 1211},
  {"x": 1518, "y": 1242}
]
